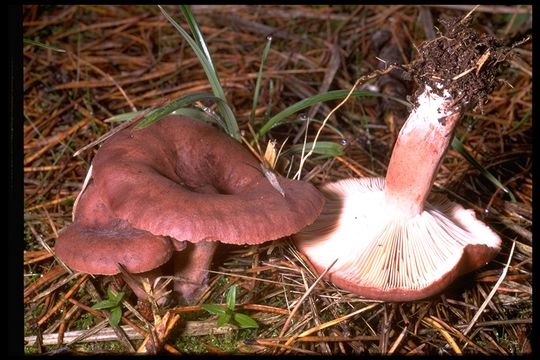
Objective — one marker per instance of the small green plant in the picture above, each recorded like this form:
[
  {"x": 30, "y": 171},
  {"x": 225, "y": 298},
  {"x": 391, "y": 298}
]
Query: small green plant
[
  {"x": 227, "y": 315},
  {"x": 113, "y": 303}
]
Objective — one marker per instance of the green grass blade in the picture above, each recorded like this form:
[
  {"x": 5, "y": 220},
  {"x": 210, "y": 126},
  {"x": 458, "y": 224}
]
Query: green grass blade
[
  {"x": 120, "y": 118},
  {"x": 174, "y": 105},
  {"x": 224, "y": 110},
  {"x": 231, "y": 298},
  {"x": 208, "y": 68},
  {"x": 259, "y": 77},
  {"x": 196, "y": 31},
  {"x": 328, "y": 96},
  {"x": 329, "y": 126},
  {"x": 326, "y": 148},
  {"x": 199, "y": 115},
  {"x": 458, "y": 146}
]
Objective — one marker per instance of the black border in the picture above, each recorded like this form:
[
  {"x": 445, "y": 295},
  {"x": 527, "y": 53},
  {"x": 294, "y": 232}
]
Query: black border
[{"x": 15, "y": 185}]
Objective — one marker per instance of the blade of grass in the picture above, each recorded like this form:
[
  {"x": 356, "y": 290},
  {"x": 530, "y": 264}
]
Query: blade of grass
[
  {"x": 303, "y": 158},
  {"x": 199, "y": 115},
  {"x": 328, "y": 96},
  {"x": 329, "y": 126},
  {"x": 327, "y": 148},
  {"x": 224, "y": 110},
  {"x": 197, "y": 34},
  {"x": 231, "y": 298},
  {"x": 458, "y": 146},
  {"x": 259, "y": 78},
  {"x": 176, "y": 104},
  {"x": 122, "y": 117}
]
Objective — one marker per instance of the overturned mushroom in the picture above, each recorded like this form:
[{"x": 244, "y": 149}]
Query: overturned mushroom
[
  {"x": 183, "y": 180},
  {"x": 392, "y": 244}
]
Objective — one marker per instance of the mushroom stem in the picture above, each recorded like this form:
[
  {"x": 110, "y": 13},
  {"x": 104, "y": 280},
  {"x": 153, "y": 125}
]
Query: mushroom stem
[
  {"x": 419, "y": 149},
  {"x": 191, "y": 269}
]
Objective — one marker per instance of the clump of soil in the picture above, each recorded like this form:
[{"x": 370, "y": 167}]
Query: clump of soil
[{"x": 461, "y": 60}]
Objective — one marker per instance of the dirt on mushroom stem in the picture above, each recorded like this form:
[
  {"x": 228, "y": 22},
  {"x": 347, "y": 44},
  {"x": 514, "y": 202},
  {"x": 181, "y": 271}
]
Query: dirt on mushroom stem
[
  {"x": 454, "y": 71},
  {"x": 461, "y": 61}
]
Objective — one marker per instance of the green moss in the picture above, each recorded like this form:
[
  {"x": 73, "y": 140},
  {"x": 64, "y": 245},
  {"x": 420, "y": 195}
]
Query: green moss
[
  {"x": 226, "y": 342},
  {"x": 85, "y": 321}
]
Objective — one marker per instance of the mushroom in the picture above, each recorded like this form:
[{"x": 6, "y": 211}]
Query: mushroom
[
  {"x": 97, "y": 242},
  {"x": 178, "y": 180},
  {"x": 390, "y": 240}
]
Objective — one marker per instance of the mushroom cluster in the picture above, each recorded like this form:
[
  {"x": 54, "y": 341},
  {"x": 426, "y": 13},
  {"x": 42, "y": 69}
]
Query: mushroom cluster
[{"x": 169, "y": 193}]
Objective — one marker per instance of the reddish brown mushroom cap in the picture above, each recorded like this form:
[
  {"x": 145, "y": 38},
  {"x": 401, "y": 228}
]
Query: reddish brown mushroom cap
[
  {"x": 382, "y": 255},
  {"x": 182, "y": 178},
  {"x": 97, "y": 250},
  {"x": 96, "y": 242}
]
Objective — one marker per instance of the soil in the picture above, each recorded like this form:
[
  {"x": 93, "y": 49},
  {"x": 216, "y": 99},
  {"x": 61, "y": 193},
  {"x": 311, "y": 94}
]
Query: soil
[{"x": 464, "y": 62}]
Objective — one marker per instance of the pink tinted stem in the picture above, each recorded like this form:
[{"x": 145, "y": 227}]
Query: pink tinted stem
[{"x": 417, "y": 154}]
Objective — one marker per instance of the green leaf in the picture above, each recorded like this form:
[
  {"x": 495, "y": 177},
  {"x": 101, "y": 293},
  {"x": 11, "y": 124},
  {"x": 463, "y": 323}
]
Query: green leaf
[
  {"x": 223, "y": 108},
  {"x": 196, "y": 31},
  {"x": 458, "y": 146},
  {"x": 328, "y": 125},
  {"x": 118, "y": 297},
  {"x": 105, "y": 304},
  {"x": 231, "y": 298},
  {"x": 111, "y": 295},
  {"x": 327, "y": 148},
  {"x": 328, "y": 96},
  {"x": 223, "y": 319},
  {"x": 244, "y": 321},
  {"x": 123, "y": 117},
  {"x": 176, "y": 104},
  {"x": 115, "y": 296},
  {"x": 199, "y": 115},
  {"x": 214, "y": 309},
  {"x": 259, "y": 77},
  {"x": 116, "y": 314}
]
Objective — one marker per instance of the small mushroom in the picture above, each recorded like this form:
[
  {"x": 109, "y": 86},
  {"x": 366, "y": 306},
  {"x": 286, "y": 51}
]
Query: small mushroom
[
  {"x": 184, "y": 180},
  {"x": 390, "y": 244}
]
